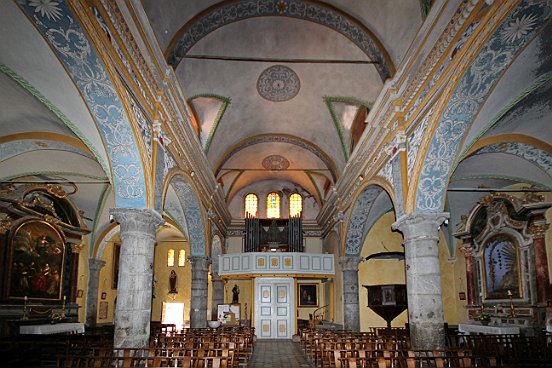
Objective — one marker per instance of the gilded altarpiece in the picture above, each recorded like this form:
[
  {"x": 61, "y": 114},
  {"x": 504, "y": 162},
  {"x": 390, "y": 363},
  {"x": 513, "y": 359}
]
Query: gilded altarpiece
[{"x": 499, "y": 248}]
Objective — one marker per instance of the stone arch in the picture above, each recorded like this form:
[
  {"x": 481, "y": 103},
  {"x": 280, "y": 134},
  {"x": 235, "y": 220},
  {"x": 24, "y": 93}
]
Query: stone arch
[
  {"x": 76, "y": 52},
  {"x": 227, "y": 12},
  {"x": 368, "y": 205},
  {"x": 466, "y": 99},
  {"x": 195, "y": 217}
]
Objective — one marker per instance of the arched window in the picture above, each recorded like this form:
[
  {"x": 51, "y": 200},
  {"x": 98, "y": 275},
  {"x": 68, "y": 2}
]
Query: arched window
[
  {"x": 273, "y": 205},
  {"x": 251, "y": 205},
  {"x": 181, "y": 258},
  {"x": 170, "y": 258},
  {"x": 295, "y": 205}
]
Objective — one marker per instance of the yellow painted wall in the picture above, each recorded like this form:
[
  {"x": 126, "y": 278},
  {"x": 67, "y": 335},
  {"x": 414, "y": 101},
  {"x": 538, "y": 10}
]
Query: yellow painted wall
[
  {"x": 105, "y": 284},
  {"x": 162, "y": 273},
  {"x": 374, "y": 272},
  {"x": 450, "y": 272},
  {"x": 303, "y": 312},
  {"x": 82, "y": 282},
  {"x": 245, "y": 296},
  {"x": 333, "y": 288},
  {"x": 380, "y": 238}
]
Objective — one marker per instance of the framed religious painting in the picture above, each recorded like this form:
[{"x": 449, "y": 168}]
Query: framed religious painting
[
  {"x": 36, "y": 262},
  {"x": 308, "y": 295},
  {"x": 501, "y": 267}
]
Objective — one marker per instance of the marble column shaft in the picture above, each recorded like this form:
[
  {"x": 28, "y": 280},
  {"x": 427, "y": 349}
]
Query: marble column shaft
[
  {"x": 134, "y": 290},
  {"x": 94, "y": 267},
  {"x": 351, "y": 310},
  {"x": 538, "y": 231},
  {"x": 467, "y": 248},
  {"x": 73, "y": 280},
  {"x": 198, "y": 304},
  {"x": 423, "y": 278},
  {"x": 217, "y": 289}
]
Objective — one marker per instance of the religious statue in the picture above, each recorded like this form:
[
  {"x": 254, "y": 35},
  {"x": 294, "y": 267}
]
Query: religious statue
[
  {"x": 235, "y": 294},
  {"x": 172, "y": 283}
]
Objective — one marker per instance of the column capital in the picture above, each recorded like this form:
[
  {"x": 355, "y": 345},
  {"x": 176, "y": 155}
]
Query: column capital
[
  {"x": 420, "y": 225},
  {"x": 95, "y": 264},
  {"x": 349, "y": 263},
  {"x": 137, "y": 219},
  {"x": 76, "y": 248},
  {"x": 538, "y": 230},
  {"x": 467, "y": 247},
  {"x": 200, "y": 263}
]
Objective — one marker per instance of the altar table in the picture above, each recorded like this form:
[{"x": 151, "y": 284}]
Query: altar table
[
  {"x": 469, "y": 328},
  {"x": 49, "y": 329}
]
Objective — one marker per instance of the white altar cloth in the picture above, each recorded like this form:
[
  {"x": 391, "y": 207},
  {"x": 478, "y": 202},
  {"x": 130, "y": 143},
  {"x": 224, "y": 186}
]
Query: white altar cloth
[
  {"x": 469, "y": 328},
  {"x": 49, "y": 329}
]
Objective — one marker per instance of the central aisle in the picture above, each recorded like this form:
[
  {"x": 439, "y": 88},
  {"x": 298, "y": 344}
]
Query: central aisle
[{"x": 278, "y": 354}]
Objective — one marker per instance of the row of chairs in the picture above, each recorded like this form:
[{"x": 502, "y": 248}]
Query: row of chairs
[
  {"x": 329, "y": 349},
  {"x": 127, "y": 358},
  {"x": 194, "y": 348}
]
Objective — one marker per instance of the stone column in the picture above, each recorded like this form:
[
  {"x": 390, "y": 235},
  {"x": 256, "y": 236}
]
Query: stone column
[
  {"x": 351, "y": 311},
  {"x": 198, "y": 304},
  {"x": 134, "y": 289},
  {"x": 94, "y": 267},
  {"x": 423, "y": 278},
  {"x": 217, "y": 289},
  {"x": 538, "y": 230},
  {"x": 467, "y": 249}
]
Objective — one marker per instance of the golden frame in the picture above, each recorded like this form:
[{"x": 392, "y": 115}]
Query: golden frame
[
  {"x": 36, "y": 262},
  {"x": 307, "y": 295}
]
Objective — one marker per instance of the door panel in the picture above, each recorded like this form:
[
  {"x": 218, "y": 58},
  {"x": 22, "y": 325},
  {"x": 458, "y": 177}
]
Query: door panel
[{"x": 274, "y": 308}]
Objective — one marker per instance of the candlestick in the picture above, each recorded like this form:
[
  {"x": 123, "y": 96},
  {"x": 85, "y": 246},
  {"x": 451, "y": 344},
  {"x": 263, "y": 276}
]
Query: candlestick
[
  {"x": 24, "y": 316},
  {"x": 512, "y": 309}
]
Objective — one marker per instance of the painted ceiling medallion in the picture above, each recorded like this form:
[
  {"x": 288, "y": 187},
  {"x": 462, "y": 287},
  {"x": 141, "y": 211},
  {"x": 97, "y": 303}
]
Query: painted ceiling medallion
[
  {"x": 275, "y": 162},
  {"x": 278, "y": 83}
]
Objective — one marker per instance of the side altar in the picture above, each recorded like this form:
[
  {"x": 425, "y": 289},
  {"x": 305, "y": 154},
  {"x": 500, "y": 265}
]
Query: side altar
[{"x": 507, "y": 277}]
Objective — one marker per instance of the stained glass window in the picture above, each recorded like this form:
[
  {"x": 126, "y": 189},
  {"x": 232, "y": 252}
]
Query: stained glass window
[
  {"x": 181, "y": 257},
  {"x": 251, "y": 203},
  {"x": 273, "y": 205},
  {"x": 170, "y": 258},
  {"x": 295, "y": 205}
]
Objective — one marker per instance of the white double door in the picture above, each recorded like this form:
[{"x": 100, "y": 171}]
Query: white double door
[{"x": 274, "y": 308}]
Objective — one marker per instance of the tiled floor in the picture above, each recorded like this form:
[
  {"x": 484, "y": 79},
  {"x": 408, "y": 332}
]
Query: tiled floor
[{"x": 278, "y": 354}]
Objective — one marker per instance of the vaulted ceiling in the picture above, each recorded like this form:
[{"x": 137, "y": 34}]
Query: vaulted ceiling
[{"x": 276, "y": 86}]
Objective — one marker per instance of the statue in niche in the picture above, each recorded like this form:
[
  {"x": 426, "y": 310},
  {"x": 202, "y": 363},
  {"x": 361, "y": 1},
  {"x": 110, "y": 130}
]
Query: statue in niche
[
  {"x": 235, "y": 294},
  {"x": 172, "y": 283}
]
